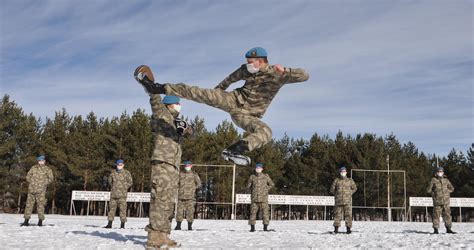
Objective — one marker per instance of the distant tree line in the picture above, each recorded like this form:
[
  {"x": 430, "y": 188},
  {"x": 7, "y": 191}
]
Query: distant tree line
[{"x": 82, "y": 151}]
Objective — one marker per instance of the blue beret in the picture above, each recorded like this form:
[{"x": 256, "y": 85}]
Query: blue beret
[
  {"x": 40, "y": 158},
  {"x": 257, "y": 52},
  {"x": 259, "y": 165},
  {"x": 170, "y": 99},
  {"x": 342, "y": 169},
  {"x": 440, "y": 169},
  {"x": 119, "y": 161},
  {"x": 188, "y": 163}
]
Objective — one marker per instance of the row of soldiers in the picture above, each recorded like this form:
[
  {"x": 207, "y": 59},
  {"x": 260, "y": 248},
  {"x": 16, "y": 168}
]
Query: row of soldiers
[{"x": 258, "y": 185}]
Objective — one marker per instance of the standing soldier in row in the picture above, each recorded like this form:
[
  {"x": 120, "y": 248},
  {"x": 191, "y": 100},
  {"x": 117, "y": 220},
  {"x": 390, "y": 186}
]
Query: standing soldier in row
[
  {"x": 440, "y": 189},
  {"x": 247, "y": 104},
  {"x": 189, "y": 182},
  {"x": 38, "y": 179},
  {"x": 120, "y": 180},
  {"x": 167, "y": 130},
  {"x": 343, "y": 188},
  {"x": 258, "y": 185}
]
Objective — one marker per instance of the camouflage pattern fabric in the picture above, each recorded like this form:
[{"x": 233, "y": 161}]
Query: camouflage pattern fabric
[
  {"x": 258, "y": 185},
  {"x": 255, "y": 207},
  {"x": 245, "y": 104},
  {"x": 189, "y": 182},
  {"x": 120, "y": 182},
  {"x": 442, "y": 210},
  {"x": 38, "y": 179},
  {"x": 185, "y": 209},
  {"x": 164, "y": 179},
  {"x": 343, "y": 188},
  {"x": 339, "y": 211},
  {"x": 121, "y": 202},
  {"x": 440, "y": 189}
]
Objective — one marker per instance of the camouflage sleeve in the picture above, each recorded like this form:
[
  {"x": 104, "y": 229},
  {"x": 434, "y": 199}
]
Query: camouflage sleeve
[
  {"x": 450, "y": 187},
  {"x": 197, "y": 180},
  {"x": 249, "y": 184},
  {"x": 332, "y": 190},
  {"x": 110, "y": 180},
  {"x": 270, "y": 182},
  {"x": 234, "y": 77},
  {"x": 429, "y": 190},
  {"x": 28, "y": 175},
  {"x": 129, "y": 179},
  {"x": 157, "y": 107},
  {"x": 295, "y": 75},
  {"x": 353, "y": 186},
  {"x": 50, "y": 175}
]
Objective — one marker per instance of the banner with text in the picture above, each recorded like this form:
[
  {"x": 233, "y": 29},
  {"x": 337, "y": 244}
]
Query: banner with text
[
  {"x": 105, "y": 196},
  {"x": 290, "y": 200},
  {"x": 428, "y": 202}
]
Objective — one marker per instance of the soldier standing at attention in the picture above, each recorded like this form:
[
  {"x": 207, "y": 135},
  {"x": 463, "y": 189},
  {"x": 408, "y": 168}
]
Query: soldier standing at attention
[
  {"x": 247, "y": 104},
  {"x": 440, "y": 189},
  {"x": 189, "y": 182},
  {"x": 343, "y": 188},
  {"x": 120, "y": 180},
  {"x": 167, "y": 130},
  {"x": 259, "y": 184},
  {"x": 38, "y": 179}
]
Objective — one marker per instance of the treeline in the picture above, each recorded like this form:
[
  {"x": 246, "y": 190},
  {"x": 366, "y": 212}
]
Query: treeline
[{"x": 82, "y": 151}]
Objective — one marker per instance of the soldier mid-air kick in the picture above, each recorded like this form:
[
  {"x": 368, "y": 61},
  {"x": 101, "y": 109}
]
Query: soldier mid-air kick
[{"x": 246, "y": 105}]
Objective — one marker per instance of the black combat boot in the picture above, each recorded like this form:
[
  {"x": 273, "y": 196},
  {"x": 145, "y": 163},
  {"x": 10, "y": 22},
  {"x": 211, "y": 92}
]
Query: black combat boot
[
  {"x": 145, "y": 77},
  {"x": 265, "y": 227},
  {"x": 336, "y": 229},
  {"x": 26, "y": 223},
  {"x": 190, "y": 226},
  {"x": 122, "y": 225},
  {"x": 436, "y": 231},
  {"x": 40, "y": 223},
  {"x": 449, "y": 231},
  {"x": 235, "y": 153},
  {"x": 178, "y": 225},
  {"x": 348, "y": 230},
  {"x": 109, "y": 224},
  {"x": 252, "y": 228}
]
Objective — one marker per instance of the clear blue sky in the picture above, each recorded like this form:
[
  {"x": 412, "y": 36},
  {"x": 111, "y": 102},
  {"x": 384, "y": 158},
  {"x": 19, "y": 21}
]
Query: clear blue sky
[{"x": 402, "y": 67}]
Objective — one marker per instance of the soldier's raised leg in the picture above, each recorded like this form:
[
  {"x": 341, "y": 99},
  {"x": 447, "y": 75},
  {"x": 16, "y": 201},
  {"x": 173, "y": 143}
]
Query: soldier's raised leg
[
  {"x": 348, "y": 217},
  {"x": 259, "y": 132},
  {"x": 338, "y": 210},
  {"x": 122, "y": 203},
  {"x": 253, "y": 216}
]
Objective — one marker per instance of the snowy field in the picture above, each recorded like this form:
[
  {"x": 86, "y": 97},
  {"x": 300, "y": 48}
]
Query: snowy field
[{"x": 76, "y": 232}]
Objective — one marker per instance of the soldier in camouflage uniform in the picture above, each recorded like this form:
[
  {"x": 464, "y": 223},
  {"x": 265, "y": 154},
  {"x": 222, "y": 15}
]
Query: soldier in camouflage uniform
[
  {"x": 247, "y": 104},
  {"x": 343, "y": 188},
  {"x": 38, "y": 179},
  {"x": 167, "y": 130},
  {"x": 440, "y": 189},
  {"x": 120, "y": 180},
  {"x": 258, "y": 185},
  {"x": 189, "y": 182}
]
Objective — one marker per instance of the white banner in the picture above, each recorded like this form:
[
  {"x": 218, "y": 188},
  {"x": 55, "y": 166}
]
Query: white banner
[
  {"x": 105, "y": 196},
  {"x": 290, "y": 200},
  {"x": 428, "y": 202}
]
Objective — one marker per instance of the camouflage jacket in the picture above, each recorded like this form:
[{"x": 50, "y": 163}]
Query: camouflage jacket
[
  {"x": 343, "y": 188},
  {"x": 120, "y": 182},
  {"x": 38, "y": 178},
  {"x": 260, "y": 88},
  {"x": 440, "y": 189},
  {"x": 166, "y": 139},
  {"x": 258, "y": 186},
  {"x": 188, "y": 183}
]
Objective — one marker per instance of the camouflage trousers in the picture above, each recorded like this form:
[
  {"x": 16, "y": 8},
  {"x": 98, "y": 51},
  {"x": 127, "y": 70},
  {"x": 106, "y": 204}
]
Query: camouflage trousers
[
  {"x": 339, "y": 211},
  {"x": 443, "y": 210},
  {"x": 259, "y": 133},
  {"x": 185, "y": 206},
  {"x": 122, "y": 204},
  {"x": 40, "y": 199},
  {"x": 255, "y": 207},
  {"x": 164, "y": 189}
]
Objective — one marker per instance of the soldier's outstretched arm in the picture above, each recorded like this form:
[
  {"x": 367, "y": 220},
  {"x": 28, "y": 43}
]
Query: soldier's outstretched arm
[
  {"x": 295, "y": 75},
  {"x": 233, "y": 77}
]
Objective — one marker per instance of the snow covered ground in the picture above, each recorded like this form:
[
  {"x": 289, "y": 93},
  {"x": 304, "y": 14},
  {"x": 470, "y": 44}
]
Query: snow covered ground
[{"x": 76, "y": 232}]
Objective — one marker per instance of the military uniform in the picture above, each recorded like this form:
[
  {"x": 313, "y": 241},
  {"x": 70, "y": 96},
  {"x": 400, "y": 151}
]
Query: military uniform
[
  {"x": 440, "y": 188},
  {"x": 247, "y": 104},
  {"x": 343, "y": 188},
  {"x": 259, "y": 184},
  {"x": 189, "y": 182},
  {"x": 120, "y": 182},
  {"x": 38, "y": 179}
]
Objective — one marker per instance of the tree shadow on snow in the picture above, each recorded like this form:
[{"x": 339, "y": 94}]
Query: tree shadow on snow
[
  {"x": 414, "y": 232},
  {"x": 115, "y": 236}
]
